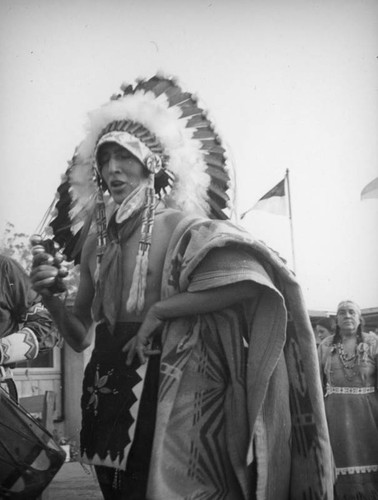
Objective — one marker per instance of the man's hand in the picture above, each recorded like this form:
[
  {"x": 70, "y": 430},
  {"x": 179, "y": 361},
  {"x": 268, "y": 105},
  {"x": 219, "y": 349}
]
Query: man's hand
[
  {"x": 141, "y": 344},
  {"x": 46, "y": 257},
  {"x": 43, "y": 274},
  {"x": 185, "y": 304}
]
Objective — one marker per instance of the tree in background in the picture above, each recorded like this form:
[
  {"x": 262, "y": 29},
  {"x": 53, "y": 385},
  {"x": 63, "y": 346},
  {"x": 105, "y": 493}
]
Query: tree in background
[{"x": 17, "y": 245}]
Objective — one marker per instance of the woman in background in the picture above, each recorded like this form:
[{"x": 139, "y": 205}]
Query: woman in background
[
  {"x": 348, "y": 363},
  {"x": 323, "y": 329}
]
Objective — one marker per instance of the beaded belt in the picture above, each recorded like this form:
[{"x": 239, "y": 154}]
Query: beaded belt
[{"x": 349, "y": 390}]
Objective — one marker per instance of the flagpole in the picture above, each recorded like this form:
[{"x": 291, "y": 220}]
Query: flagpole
[{"x": 291, "y": 219}]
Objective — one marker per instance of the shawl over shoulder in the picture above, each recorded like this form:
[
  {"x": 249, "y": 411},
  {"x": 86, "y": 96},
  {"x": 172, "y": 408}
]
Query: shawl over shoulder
[{"x": 240, "y": 412}]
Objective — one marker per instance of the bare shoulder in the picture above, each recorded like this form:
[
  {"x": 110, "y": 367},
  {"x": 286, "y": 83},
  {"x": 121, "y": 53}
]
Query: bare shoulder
[
  {"x": 89, "y": 246},
  {"x": 88, "y": 253},
  {"x": 85, "y": 293}
]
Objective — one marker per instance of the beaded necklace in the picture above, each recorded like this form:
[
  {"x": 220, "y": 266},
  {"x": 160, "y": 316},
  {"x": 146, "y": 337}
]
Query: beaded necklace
[{"x": 348, "y": 361}]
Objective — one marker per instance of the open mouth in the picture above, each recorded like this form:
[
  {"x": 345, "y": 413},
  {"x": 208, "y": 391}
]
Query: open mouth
[{"x": 116, "y": 184}]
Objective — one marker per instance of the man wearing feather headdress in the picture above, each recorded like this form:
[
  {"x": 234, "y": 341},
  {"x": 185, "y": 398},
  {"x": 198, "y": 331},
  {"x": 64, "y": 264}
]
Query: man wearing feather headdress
[{"x": 197, "y": 387}]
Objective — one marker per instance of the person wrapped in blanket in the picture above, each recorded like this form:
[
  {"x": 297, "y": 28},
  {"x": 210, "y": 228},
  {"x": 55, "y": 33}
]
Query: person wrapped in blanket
[
  {"x": 197, "y": 386},
  {"x": 348, "y": 363},
  {"x": 26, "y": 327}
]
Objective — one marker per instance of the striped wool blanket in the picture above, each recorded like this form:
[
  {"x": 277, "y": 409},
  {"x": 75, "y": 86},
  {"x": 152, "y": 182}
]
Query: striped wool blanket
[{"x": 240, "y": 412}]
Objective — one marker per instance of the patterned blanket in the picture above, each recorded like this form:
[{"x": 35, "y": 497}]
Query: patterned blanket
[{"x": 240, "y": 412}]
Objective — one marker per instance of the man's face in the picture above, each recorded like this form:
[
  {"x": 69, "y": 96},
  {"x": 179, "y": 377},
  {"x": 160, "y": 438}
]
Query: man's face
[
  {"x": 121, "y": 171},
  {"x": 348, "y": 317}
]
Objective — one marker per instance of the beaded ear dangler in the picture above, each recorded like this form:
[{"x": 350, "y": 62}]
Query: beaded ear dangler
[
  {"x": 135, "y": 301},
  {"x": 101, "y": 224}
]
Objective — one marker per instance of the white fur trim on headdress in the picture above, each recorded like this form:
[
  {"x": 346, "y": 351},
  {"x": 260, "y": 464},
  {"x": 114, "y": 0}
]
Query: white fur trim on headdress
[{"x": 185, "y": 158}]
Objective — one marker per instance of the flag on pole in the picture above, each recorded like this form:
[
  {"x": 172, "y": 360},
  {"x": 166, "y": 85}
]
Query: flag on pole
[
  {"x": 370, "y": 190},
  {"x": 274, "y": 201}
]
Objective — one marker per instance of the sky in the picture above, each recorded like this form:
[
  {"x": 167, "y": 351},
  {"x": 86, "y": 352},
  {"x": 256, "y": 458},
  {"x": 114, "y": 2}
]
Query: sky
[{"x": 290, "y": 85}]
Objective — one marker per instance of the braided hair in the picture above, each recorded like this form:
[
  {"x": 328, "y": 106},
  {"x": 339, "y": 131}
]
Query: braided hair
[{"x": 337, "y": 337}]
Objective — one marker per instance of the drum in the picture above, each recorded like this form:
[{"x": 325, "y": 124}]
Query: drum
[{"x": 29, "y": 456}]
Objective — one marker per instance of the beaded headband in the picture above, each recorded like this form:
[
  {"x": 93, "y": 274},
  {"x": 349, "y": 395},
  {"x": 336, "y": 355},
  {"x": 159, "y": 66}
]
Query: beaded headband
[
  {"x": 151, "y": 161},
  {"x": 344, "y": 302}
]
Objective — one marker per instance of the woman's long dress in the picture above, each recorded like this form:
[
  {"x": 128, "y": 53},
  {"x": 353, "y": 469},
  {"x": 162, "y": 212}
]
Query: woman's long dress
[{"x": 351, "y": 404}]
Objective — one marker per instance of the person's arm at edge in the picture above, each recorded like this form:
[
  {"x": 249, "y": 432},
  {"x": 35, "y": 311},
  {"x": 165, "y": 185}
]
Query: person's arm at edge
[
  {"x": 202, "y": 302},
  {"x": 74, "y": 326},
  {"x": 186, "y": 304}
]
